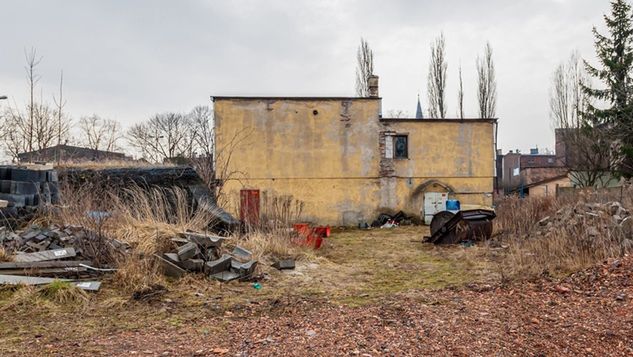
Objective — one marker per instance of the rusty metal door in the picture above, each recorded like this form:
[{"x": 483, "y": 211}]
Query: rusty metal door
[{"x": 249, "y": 206}]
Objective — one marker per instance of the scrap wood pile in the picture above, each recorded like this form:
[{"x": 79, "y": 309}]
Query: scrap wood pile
[
  {"x": 40, "y": 255},
  {"x": 594, "y": 219},
  {"x": 196, "y": 252}
]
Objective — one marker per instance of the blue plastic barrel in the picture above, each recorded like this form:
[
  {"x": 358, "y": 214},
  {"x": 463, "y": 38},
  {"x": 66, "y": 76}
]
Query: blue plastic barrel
[{"x": 452, "y": 205}]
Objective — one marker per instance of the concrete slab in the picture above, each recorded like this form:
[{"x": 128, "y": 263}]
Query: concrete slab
[
  {"x": 244, "y": 269},
  {"x": 188, "y": 251},
  {"x": 170, "y": 269},
  {"x": 192, "y": 264},
  {"x": 284, "y": 264},
  {"x": 45, "y": 255},
  {"x": 172, "y": 257},
  {"x": 205, "y": 241},
  {"x": 26, "y": 280},
  {"x": 216, "y": 266},
  {"x": 88, "y": 285},
  {"x": 242, "y": 254},
  {"x": 33, "y": 280},
  {"x": 225, "y": 276}
]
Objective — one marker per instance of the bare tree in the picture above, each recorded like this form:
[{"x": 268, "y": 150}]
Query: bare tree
[
  {"x": 460, "y": 95},
  {"x": 201, "y": 120},
  {"x": 62, "y": 125},
  {"x": 364, "y": 68},
  {"x": 583, "y": 147},
  {"x": 99, "y": 133},
  {"x": 32, "y": 60},
  {"x": 164, "y": 136},
  {"x": 486, "y": 84},
  {"x": 397, "y": 113},
  {"x": 436, "y": 81}
]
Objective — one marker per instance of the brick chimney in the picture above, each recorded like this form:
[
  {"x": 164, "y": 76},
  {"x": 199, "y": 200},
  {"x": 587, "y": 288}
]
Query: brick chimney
[{"x": 372, "y": 81}]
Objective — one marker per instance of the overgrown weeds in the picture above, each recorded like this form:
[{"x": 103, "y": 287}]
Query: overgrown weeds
[
  {"x": 557, "y": 236},
  {"x": 55, "y": 294},
  {"x": 63, "y": 292},
  {"x": 5, "y": 256}
]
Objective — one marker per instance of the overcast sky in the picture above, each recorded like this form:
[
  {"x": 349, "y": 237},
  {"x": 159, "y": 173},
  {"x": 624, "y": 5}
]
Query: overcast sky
[{"x": 127, "y": 60}]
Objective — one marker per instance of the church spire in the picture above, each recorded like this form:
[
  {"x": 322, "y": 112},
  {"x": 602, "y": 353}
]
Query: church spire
[{"x": 418, "y": 111}]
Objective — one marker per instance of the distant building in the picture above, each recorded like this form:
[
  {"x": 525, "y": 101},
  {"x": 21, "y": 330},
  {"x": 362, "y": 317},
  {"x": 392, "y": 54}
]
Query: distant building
[
  {"x": 71, "y": 153},
  {"x": 520, "y": 172}
]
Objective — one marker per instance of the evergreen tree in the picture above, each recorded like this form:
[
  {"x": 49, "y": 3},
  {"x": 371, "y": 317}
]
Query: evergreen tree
[{"x": 614, "y": 105}]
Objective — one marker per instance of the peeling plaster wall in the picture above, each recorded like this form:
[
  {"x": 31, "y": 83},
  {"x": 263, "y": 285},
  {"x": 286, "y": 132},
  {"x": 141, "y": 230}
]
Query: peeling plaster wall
[
  {"x": 333, "y": 159},
  {"x": 323, "y": 152}
]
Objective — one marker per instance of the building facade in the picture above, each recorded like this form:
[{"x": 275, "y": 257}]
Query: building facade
[{"x": 346, "y": 163}]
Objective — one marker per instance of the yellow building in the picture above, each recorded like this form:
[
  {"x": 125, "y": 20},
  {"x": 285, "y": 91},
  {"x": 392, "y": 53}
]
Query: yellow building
[{"x": 345, "y": 162}]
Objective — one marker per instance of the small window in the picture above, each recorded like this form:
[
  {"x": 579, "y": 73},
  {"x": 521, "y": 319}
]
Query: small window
[{"x": 401, "y": 146}]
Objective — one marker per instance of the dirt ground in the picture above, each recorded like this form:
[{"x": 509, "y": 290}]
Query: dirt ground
[{"x": 368, "y": 293}]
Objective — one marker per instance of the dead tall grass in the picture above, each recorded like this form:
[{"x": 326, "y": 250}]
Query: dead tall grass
[
  {"x": 570, "y": 240},
  {"x": 272, "y": 236},
  {"x": 144, "y": 218}
]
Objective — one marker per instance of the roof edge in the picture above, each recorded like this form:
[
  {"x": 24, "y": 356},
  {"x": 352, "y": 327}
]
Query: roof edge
[
  {"x": 214, "y": 97},
  {"x": 450, "y": 120}
]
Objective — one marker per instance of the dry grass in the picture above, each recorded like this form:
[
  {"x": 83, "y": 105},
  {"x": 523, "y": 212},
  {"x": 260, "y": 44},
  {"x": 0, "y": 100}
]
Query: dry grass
[
  {"x": 63, "y": 292},
  {"x": 49, "y": 297},
  {"x": 137, "y": 272},
  {"x": 5, "y": 256},
  {"x": 268, "y": 246},
  {"x": 569, "y": 244},
  {"x": 108, "y": 164}
]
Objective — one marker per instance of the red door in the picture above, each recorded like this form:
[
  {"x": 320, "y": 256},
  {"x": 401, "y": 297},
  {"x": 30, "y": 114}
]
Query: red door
[{"x": 249, "y": 207}]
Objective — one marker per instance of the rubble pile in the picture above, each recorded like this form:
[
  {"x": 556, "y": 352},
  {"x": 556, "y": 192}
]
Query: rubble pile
[
  {"x": 40, "y": 254},
  {"x": 594, "y": 217},
  {"x": 196, "y": 252}
]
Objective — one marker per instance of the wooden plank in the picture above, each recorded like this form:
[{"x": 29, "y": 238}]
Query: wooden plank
[
  {"x": 45, "y": 264},
  {"x": 32, "y": 280},
  {"x": 26, "y": 280},
  {"x": 45, "y": 255},
  {"x": 46, "y": 271}
]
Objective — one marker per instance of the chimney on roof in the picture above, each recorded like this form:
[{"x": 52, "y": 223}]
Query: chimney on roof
[{"x": 372, "y": 81}]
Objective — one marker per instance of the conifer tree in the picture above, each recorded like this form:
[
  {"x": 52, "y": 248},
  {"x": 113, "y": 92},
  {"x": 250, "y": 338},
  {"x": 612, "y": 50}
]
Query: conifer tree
[{"x": 613, "y": 108}]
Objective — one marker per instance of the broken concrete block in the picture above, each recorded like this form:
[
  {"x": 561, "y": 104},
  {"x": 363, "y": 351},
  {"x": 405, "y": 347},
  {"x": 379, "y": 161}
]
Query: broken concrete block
[
  {"x": 225, "y": 276},
  {"x": 25, "y": 175},
  {"x": 179, "y": 240},
  {"x": 170, "y": 269},
  {"x": 172, "y": 257},
  {"x": 38, "y": 247},
  {"x": 23, "y": 188},
  {"x": 241, "y": 254},
  {"x": 212, "y": 254},
  {"x": 204, "y": 240},
  {"x": 188, "y": 251},
  {"x": 244, "y": 269},
  {"x": 284, "y": 264},
  {"x": 40, "y": 237},
  {"x": 30, "y": 234},
  {"x": 5, "y": 186},
  {"x": 192, "y": 264},
  {"x": 52, "y": 176},
  {"x": 216, "y": 266},
  {"x": 88, "y": 285},
  {"x": 14, "y": 200}
]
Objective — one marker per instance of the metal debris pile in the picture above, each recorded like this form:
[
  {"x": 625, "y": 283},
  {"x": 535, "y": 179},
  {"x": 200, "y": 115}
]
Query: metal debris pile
[
  {"x": 202, "y": 253},
  {"x": 40, "y": 255},
  {"x": 595, "y": 218}
]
